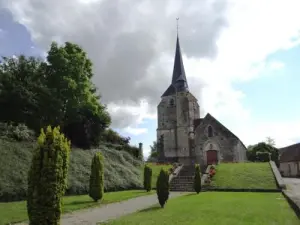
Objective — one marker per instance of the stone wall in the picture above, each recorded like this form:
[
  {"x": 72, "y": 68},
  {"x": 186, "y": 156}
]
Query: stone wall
[
  {"x": 229, "y": 148},
  {"x": 176, "y": 115},
  {"x": 290, "y": 169},
  {"x": 239, "y": 152},
  {"x": 166, "y": 125}
]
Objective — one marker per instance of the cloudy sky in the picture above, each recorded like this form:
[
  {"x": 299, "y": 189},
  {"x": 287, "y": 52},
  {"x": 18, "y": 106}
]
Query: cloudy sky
[{"x": 241, "y": 57}]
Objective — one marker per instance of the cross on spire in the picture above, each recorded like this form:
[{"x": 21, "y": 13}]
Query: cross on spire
[
  {"x": 177, "y": 24},
  {"x": 179, "y": 81}
]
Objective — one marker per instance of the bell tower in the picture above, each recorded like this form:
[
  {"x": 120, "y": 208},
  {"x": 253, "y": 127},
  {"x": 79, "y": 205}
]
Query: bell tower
[{"x": 176, "y": 113}]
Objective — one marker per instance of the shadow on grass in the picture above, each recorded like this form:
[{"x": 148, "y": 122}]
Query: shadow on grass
[
  {"x": 79, "y": 203},
  {"x": 190, "y": 194},
  {"x": 151, "y": 209}
]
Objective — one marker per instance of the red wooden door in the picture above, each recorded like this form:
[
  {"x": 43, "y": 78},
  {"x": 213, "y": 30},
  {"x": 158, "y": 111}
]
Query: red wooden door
[{"x": 212, "y": 157}]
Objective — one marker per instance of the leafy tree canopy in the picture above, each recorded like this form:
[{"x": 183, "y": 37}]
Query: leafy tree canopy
[{"x": 58, "y": 91}]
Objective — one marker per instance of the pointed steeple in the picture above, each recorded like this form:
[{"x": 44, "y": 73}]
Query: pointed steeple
[
  {"x": 179, "y": 81},
  {"x": 178, "y": 68}
]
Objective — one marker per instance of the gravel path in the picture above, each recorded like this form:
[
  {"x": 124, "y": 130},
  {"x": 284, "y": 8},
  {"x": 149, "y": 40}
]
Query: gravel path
[{"x": 92, "y": 216}]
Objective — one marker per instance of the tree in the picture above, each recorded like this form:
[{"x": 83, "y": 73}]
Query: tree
[
  {"x": 97, "y": 178},
  {"x": 111, "y": 136},
  {"x": 163, "y": 187},
  {"x": 154, "y": 152},
  {"x": 24, "y": 97},
  {"x": 69, "y": 76},
  {"x": 47, "y": 179},
  {"x": 197, "y": 179},
  {"x": 147, "y": 178},
  {"x": 270, "y": 141},
  {"x": 58, "y": 92},
  {"x": 263, "y": 147}
]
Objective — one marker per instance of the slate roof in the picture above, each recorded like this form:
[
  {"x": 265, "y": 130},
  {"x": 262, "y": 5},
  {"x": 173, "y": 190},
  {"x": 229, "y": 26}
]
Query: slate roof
[
  {"x": 290, "y": 153},
  {"x": 197, "y": 122},
  {"x": 179, "y": 81}
]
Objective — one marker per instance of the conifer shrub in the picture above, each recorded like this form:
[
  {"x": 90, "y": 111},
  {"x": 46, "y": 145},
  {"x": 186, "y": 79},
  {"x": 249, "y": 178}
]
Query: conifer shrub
[
  {"x": 96, "y": 189},
  {"x": 197, "y": 179},
  {"x": 147, "y": 178},
  {"x": 47, "y": 178},
  {"x": 163, "y": 187}
]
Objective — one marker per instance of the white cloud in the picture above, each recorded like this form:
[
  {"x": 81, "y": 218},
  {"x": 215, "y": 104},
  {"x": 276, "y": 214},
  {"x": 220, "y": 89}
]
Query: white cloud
[
  {"x": 276, "y": 65},
  {"x": 283, "y": 132},
  {"x": 123, "y": 114},
  {"x": 135, "y": 131},
  {"x": 2, "y": 33},
  {"x": 245, "y": 33},
  {"x": 255, "y": 30}
]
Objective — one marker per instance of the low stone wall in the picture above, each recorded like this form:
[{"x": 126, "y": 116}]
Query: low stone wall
[
  {"x": 175, "y": 173},
  {"x": 293, "y": 200},
  {"x": 277, "y": 175},
  {"x": 204, "y": 176}
]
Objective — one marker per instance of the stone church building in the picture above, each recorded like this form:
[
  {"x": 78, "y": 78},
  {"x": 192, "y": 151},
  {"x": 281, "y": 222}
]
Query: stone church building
[{"x": 183, "y": 136}]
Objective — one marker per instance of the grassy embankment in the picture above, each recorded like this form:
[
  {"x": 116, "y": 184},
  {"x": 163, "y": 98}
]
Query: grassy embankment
[
  {"x": 222, "y": 208},
  {"x": 155, "y": 171},
  {"x": 122, "y": 171},
  {"x": 244, "y": 176}
]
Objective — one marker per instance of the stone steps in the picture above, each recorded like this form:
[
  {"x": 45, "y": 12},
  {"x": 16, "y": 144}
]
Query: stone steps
[{"x": 184, "y": 182}]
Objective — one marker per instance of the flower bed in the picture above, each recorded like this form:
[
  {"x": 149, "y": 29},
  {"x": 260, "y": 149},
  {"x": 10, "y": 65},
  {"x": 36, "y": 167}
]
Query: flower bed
[{"x": 211, "y": 174}]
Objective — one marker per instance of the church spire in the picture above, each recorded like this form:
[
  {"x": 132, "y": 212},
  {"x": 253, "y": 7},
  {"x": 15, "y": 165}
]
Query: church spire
[{"x": 179, "y": 81}]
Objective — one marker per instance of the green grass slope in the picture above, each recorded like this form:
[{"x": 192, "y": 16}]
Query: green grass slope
[
  {"x": 12, "y": 212},
  {"x": 244, "y": 176},
  {"x": 220, "y": 208},
  {"x": 155, "y": 171},
  {"x": 122, "y": 171}
]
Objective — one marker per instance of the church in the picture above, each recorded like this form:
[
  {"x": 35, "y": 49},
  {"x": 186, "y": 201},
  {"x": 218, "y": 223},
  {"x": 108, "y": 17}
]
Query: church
[{"x": 183, "y": 136}]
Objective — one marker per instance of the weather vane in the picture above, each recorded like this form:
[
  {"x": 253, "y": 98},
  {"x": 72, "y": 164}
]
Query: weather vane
[{"x": 177, "y": 24}]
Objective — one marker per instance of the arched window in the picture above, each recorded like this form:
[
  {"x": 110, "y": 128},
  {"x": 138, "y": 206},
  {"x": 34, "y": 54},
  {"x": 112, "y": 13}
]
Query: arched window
[{"x": 209, "y": 131}]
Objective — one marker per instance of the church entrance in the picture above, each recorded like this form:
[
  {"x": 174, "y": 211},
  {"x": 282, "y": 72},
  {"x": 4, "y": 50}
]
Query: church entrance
[{"x": 212, "y": 157}]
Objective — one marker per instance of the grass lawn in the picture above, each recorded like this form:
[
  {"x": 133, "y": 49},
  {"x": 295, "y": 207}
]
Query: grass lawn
[
  {"x": 221, "y": 208},
  {"x": 17, "y": 211},
  {"x": 155, "y": 171},
  {"x": 244, "y": 175}
]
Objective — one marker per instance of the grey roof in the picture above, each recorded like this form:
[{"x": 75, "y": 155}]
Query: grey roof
[
  {"x": 290, "y": 153},
  {"x": 170, "y": 90},
  {"x": 179, "y": 81}
]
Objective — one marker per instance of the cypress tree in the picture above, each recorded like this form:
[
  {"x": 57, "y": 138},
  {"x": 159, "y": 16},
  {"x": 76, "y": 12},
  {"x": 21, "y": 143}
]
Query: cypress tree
[
  {"x": 197, "y": 179},
  {"x": 47, "y": 178},
  {"x": 97, "y": 178},
  {"x": 163, "y": 187},
  {"x": 147, "y": 178}
]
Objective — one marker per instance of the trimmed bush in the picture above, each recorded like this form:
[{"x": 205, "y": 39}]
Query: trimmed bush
[
  {"x": 47, "y": 178},
  {"x": 147, "y": 178},
  {"x": 163, "y": 187},
  {"x": 263, "y": 156},
  {"x": 197, "y": 179},
  {"x": 97, "y": 178}
]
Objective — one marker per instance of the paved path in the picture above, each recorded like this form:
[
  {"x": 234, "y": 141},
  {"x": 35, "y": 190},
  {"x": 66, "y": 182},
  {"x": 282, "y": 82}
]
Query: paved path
[
  {"x": 92, "y": 216},
  {"x": 293, "y": 185},
  {"x": 293, "y": 189},
  {"x": 111, "y": 211}
]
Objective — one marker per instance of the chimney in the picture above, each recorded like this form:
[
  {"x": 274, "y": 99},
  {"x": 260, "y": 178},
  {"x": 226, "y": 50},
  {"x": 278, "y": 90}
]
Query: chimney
[{"x": 141, "y": 146}]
